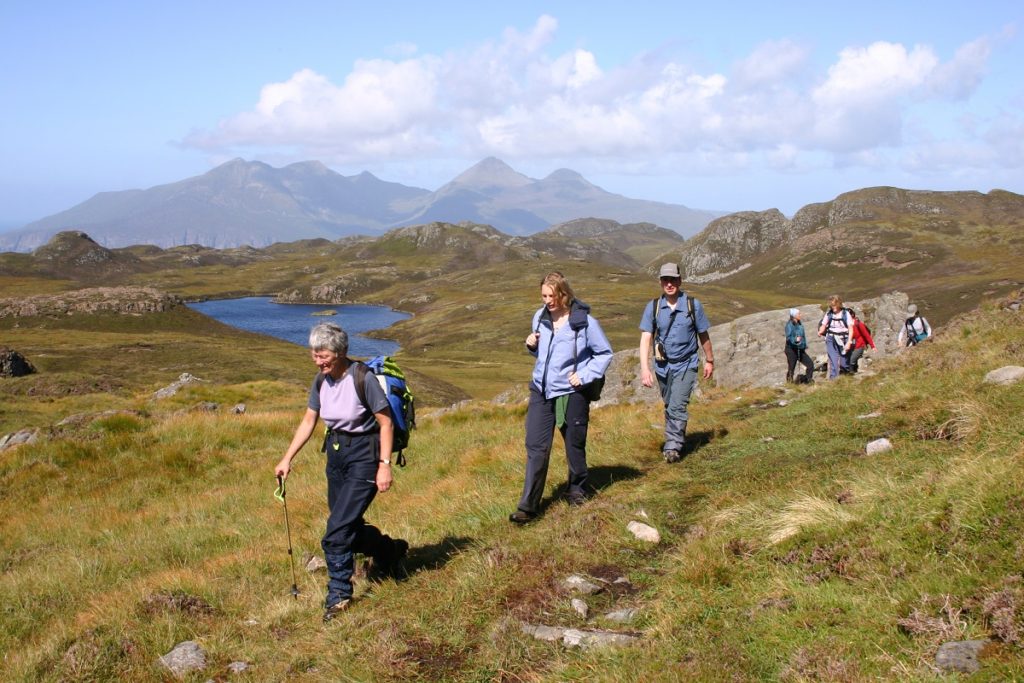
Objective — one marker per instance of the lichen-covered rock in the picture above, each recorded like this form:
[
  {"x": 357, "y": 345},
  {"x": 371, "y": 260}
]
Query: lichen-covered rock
[{"x": 122, "y": 300}]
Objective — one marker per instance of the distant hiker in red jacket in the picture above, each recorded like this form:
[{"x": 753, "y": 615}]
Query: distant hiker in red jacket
[{"x": 861, "y": 336}]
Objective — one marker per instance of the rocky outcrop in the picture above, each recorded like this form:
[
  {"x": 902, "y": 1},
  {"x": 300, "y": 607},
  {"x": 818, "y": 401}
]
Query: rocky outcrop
[
  {"x": 732, "y": 242},
  {"x": 728, "y": 242},
  {"x": 13, "y": 364},
  {"x": 750, "y": 350},
  {"x": 123, "y": 300}
]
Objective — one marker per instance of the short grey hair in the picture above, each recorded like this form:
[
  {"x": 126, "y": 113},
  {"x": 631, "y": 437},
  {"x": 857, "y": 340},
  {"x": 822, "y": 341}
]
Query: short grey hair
[{"x": 330, "y": 337}]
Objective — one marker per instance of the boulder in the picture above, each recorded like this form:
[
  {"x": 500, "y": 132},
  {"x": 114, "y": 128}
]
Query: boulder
[
  {"x": 749, "y": 351},
  {"x": 1010, "y": 374},
  {"x": 878, "y": 446},
  {"x": 13, "y": 364},
  {"x": 19, "y": 437},
  {"x": 961, "y": 655},
  {"x": 644, "y": 532},
  {"x": 185, "y": 657}
]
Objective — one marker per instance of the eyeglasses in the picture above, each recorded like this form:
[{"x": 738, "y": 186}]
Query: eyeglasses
[{"x": 671, "y": 281}]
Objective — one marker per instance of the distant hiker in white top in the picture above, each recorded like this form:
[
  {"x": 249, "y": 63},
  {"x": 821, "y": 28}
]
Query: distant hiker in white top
[
  {"x": 915, "y": 328},
  {"x": 836, "y": 327}
]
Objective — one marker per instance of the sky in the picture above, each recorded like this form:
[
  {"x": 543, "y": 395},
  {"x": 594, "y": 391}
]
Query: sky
[{"x": 730, "y": 107}]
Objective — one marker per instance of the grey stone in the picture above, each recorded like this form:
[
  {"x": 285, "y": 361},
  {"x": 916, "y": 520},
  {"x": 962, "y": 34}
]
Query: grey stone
[
  {"x": 238, "y": 667},
  {"x": 1010, "y": 374},
  {"x": 869, "y": 416},
  {"x": 961, "y": 655},
  {"x": 315, "y": 564},
  {"x": 878, "y": 446},
  {"x": 579, "y": 584},
  {"x": 596, "y": 639},
  {"x": 171, "y": 389},
  {"x": 22, "y": 436},
  {"x": 644, "y": 532},
  {"x": 185, "y": 657},
  {"x": 580, "y": 607},
  {"x": 541, "y": 632},
  {"x": 239, "y": 409},
  {"x": 622, "y": 615}
]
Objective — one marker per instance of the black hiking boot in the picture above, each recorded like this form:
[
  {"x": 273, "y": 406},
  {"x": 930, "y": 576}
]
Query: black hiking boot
[
  {"x": 520, "y": 517},
  {"x": 671, "y": 455}
]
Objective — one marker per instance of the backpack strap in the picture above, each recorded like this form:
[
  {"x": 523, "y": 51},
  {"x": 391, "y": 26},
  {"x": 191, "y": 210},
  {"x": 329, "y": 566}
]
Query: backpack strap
[{"x": 359, "y": 370}]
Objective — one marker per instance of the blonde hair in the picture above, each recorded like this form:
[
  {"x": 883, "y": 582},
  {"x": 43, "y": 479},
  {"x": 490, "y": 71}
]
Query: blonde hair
[
  {"x": 835, "y": 300},
  {"x": 560, "y": 288}
]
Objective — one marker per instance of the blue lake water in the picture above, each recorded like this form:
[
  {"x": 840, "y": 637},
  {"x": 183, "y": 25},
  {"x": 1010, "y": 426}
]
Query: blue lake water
[{"x": 292, "y": 322}]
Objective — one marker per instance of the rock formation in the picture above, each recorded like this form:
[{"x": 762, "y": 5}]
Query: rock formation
[
  {"x": 13, "y": 364},
  {"x": 124, "y": 300}
]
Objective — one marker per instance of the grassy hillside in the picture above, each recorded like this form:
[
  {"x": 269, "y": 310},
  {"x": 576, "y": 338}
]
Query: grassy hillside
[{"x": 786, "y": 552}]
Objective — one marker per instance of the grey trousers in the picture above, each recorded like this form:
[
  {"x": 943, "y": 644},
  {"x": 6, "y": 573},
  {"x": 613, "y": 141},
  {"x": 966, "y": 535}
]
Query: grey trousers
[
  {"x": 676, "y": 389},
  {"x": 540, "y": 433}
]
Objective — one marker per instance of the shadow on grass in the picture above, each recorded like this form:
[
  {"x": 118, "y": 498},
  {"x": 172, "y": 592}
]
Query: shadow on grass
[
  {"x": 433, "y": 556},
  {"x": 698, "y": 440},
  {"x": 598, "y": 479}
]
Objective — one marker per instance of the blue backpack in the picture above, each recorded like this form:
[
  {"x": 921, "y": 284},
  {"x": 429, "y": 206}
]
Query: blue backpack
[
  {"x": 400, "y": 398},
  {"x": 403, "y": 404}
]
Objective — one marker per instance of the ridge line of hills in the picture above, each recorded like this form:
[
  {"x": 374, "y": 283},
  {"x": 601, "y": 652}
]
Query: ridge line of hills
[{"x": 252, "y": 203}]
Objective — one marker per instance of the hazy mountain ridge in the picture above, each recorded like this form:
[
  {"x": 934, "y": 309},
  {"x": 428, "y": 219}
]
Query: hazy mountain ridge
[{"x": 252, "y": 203}]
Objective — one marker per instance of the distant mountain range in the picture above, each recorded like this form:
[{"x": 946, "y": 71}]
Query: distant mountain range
[{"x": 250, "y": 203}]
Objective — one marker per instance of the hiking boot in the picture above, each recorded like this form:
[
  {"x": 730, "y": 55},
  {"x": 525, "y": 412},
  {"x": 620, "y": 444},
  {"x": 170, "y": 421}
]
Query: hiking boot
[
  {"x": 336, "y": 609},
  {"x": 671, "y": 455},
  {"x": 520, "y": 517},
  {"x": 576, "y": 499}
]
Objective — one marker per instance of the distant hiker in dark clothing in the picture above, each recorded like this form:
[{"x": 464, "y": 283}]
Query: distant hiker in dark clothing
[
  {"x": 358, "y": 446},
  {"x": 572, "y": 353},
  {"x": 835, "y": 328},
  {"x": 796, "y": 349},
  {"x": 674, "y": 323},
  {"x": 915, "y": 328},
  {"x": 862, "y": 339}
]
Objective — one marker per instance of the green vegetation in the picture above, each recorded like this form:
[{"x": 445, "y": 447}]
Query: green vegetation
[{"x": 786, "y": 552}]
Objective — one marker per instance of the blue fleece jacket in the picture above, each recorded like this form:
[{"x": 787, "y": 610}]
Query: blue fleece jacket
[{"x": 554, "y": 351}]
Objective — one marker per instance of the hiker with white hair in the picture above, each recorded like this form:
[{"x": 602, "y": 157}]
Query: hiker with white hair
[
  {"x": 796, "y": 349},
  {"x": 346, "y": 395},
  {"x": 915, "y": 328}
]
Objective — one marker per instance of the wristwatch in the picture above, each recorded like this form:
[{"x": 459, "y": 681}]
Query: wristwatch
[{"x": 385, "y": 461}]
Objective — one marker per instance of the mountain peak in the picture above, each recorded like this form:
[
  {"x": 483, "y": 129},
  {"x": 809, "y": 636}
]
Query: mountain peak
[
  {"x": 491, "y": 172},
  {"x": 566, "y": 175}
]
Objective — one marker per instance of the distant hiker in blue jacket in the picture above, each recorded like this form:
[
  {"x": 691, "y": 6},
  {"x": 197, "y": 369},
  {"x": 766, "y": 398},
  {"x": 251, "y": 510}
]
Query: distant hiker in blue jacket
[
  {"x": 796, "y": 349},
  {"x": 572, "y": 354},
  {"x": 836, "y": 327},
  {"x": 674, "y": 323}
]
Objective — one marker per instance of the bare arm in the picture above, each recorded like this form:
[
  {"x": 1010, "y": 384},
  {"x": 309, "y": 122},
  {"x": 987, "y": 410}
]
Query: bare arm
[
  {"x": 645, "y": 359},
  {"x": 709, "y": 355},
  {"x": 302, "y": 434},
  {"x": 387, "y": 438}
]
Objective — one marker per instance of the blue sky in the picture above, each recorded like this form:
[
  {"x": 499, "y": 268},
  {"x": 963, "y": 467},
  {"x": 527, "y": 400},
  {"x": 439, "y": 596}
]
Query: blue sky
[{"x": 746, "y": 109}]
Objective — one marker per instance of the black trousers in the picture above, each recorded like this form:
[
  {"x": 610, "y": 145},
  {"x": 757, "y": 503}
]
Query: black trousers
[
  {"x": 793, "y": 355},
  {"x": 540, "y": 433}
]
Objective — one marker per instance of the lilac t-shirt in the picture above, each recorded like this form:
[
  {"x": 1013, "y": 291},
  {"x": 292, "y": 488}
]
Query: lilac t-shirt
[{"x": 339, "y": 406}]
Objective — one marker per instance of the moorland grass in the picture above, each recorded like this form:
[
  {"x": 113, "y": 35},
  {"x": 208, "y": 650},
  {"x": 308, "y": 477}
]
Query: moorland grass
[{"x": 786, "y": 552}]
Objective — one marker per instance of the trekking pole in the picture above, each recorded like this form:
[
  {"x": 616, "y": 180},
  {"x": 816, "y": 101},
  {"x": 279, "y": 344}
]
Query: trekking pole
[{"x": 280, "y": 494}]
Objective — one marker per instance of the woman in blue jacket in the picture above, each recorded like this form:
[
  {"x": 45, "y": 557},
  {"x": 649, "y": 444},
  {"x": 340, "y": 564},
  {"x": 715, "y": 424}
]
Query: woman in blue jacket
[
  {"x": 796, "y": 348},
  {"x": 572, "y": 351}
]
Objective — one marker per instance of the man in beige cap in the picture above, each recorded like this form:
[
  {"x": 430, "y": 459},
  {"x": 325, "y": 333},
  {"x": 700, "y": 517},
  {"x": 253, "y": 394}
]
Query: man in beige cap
[{"x": 674, "y": 323}]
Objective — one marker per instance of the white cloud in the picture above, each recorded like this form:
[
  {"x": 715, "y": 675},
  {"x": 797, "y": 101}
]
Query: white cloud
[{"x": 512, "y": 98}]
